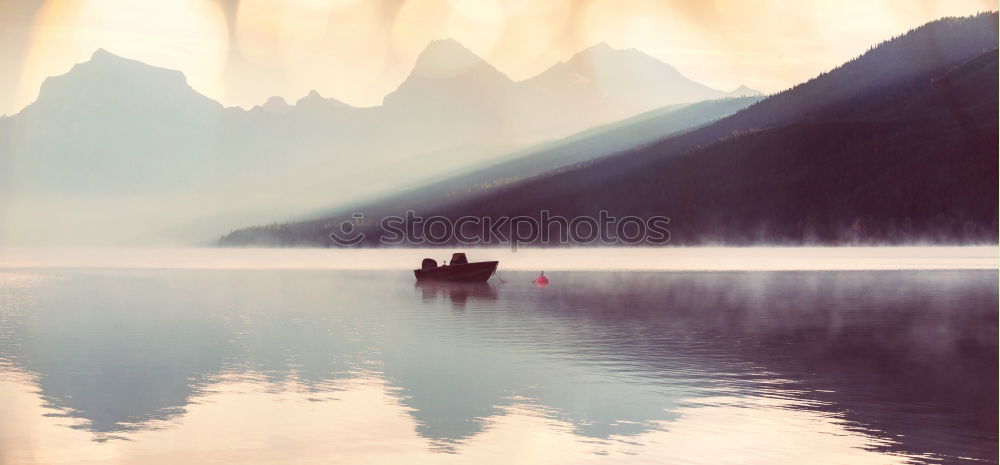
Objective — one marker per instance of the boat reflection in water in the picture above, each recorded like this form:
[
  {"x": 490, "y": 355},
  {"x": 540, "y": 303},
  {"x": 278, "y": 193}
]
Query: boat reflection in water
[
  {"x": 268, "y": 366},
  {"x": 457, "y": 293}
]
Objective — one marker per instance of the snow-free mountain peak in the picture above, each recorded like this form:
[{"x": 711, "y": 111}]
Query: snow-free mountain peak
[
  {"x": 446, "y": 58},
  {"x": 597, "y": 49},
  {"x": 744, "y": 91},
  {"x": 111, "y": 81},
  {"x": 276, "y": 104},
  {"x": 447, "y": 72},
  {"x": 603, "y": 84},
  {"x": 112, "y": 66},
  {"x": 601, "y": 58},
  {"x": 101, "y": 54},
  {"x": 313, "y": 100}
]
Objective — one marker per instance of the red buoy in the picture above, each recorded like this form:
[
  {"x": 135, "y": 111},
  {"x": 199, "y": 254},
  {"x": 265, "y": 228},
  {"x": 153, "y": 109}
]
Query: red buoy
[{"x": 541, "y": 281}]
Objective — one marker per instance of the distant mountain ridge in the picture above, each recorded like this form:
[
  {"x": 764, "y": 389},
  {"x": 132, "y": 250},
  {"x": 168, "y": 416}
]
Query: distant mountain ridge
[
  {"x": 596, "y": 86},
  {"x": 617, "y": 75},
  {"x": 114, "y": 129},
  {"x": 65, "y": 140},
  {"x": 897, "y": 145}
]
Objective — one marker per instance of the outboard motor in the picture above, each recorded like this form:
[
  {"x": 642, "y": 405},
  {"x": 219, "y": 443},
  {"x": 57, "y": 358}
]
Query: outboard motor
[{"x": 428, "y": 263}]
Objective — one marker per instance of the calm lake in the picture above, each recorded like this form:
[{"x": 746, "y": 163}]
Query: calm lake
[{"x": 271, "y": 359}]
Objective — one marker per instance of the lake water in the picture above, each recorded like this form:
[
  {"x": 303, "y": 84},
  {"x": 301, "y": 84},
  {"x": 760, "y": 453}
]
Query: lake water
[{"x": 258, "y": 360}]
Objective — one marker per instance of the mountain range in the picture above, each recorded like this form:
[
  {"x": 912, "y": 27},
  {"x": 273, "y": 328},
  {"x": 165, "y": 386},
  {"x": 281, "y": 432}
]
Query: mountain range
[
  {"x": 115, "y": 143},
  {"x": 897, "y": 145}
]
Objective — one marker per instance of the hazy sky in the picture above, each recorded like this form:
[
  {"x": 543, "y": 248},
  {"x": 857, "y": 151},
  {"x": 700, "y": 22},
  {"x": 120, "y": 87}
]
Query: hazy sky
[{"x": 242, "y": 51}]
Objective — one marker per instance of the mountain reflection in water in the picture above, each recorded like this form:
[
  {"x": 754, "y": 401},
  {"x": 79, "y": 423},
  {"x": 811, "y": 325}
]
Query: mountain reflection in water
[{"x": 150, "y": 366}]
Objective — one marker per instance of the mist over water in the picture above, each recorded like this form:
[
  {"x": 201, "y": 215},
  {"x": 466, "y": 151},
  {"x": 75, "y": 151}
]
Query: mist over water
[
  {"x": 562, "y": 258},
  {"x": 173, "y": 365}
]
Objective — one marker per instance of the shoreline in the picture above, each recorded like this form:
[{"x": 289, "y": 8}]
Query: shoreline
[{"x": 561, "y": 259}]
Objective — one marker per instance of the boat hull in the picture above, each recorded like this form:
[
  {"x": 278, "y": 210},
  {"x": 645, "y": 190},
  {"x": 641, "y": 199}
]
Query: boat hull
[{"x": 464, "y": 273}]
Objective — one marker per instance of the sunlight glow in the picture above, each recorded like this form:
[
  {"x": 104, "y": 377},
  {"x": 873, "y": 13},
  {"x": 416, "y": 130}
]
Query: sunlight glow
[{"x": 359, "y": 51}]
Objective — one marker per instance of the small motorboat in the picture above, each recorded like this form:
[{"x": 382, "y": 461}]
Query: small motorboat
[{"x": 460, "y": 270}]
